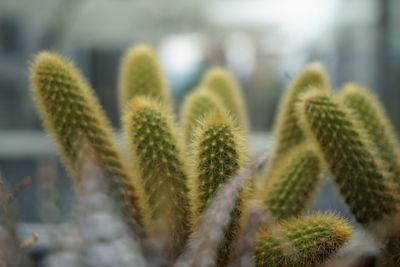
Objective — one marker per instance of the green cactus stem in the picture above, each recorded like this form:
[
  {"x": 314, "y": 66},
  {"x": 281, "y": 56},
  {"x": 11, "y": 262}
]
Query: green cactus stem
[
  {"x": 354, "y": 167},
  {"x": 304, "y": 241},
  {"x": 73, "y": 117},
  {"x": 287, "y": 132},
  {"x": 158, "y": 161},
  {"x": 218, "y": 155},
  {"x": 367, "y": 109},
  {"x": 296, "y": 180},
  {"x": 141, "y": 74}
]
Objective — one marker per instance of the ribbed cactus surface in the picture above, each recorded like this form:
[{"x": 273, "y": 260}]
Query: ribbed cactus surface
[
  {"x": 218, "y": 155},
  {"x": 159, "y": 164},
  {"x": 196, "y": 106},
  {"x": 224, "y": 85},
  {"x": 294, "y": 184},
  {"x": 287, "y": 131},
  {"x": 354, "y": 167},
  {"x": 304, "y": 241},
  {"x": 367, "y": 109},
  {"x": 141, "y": 75},
  {"x": 74, "y": 119}
]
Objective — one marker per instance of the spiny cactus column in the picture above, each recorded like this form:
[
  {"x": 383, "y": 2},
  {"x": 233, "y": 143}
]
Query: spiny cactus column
[
  {"x": 218, "y": 154},
  {"x": 368, "y": 111},
  {"x": 303, "y": 241},
  {"x": 287, "y": 132},
  {"x": 141, "y": 74},
  {"x": 158, "y": 161},
  {"x": 295, "y": 183},
  {"x": 354, "y": 167},
  {"x": 224, "y": 85},
  {"x": 196, "y": 106},
  {"x": 73, "y": 117}
]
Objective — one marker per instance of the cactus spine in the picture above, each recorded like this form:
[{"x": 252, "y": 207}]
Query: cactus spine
[
  {"x": 196, "y": 106},
  {"x": 72, "y": 115},
  {"x": 223, "y": 84},
  {"x": 295, "y": 183},
  {"x": 218, "y": 154},
  {"x": 354, "y": 167},
  {"x": 158, "y": 161},
  {"x": 287, "y": 132},
  {"x": 141, "y": 74},
  {"x": 303, "y": 241},
  {"x": 368, "y": 111}
]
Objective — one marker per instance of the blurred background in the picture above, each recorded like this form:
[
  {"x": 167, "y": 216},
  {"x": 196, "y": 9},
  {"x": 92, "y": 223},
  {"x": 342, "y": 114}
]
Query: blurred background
[{"x": 263, "y": 42}]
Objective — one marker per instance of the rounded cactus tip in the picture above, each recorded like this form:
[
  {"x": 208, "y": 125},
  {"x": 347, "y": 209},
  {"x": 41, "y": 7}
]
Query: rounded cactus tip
[
  {"x": 312, "y": 74},
  {"x": 303, "y": 241},
  {"x": 221, "y": 82},
  {"x": 197, "y": 105},
  {"x": 45, "y": 60},
  {"x": 141, "y": 74}
]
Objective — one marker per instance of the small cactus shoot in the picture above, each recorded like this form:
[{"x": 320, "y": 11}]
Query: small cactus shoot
[{"x": 303, "y": 241}]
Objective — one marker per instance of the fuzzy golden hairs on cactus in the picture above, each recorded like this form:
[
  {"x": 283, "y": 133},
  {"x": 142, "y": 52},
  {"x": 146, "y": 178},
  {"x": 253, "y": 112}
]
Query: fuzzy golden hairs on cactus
[
  {"x": 367, "y": 109},
  {"x": 218, "y": 153},
  {"x": 158, "y": 161},
  {"x": 224, "y": 85},
  {"x": 196, "y": 106},
  {"x": 304, "y": 241},
  {"x": 296, "y": 180},
  {"x": 349, "y": 157},
  {"x": 141, "y": 74},
  {"x": 72, "y": 115},
  {"x": 287, "y": 132}
]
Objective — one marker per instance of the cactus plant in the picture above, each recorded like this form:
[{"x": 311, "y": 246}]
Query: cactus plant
[
  {"x": 303, "y": 241},
  {"x": 368, "y": 111},
  {"x": 218, "y": 154},
  {"x": 196, "y": 106},
  {"x": 286, "y": 130},
  {"x": 354, "y": 167},
  {"x": 72, "y": 115},
  {"x": 158, "y": 161},
  {"x": 222, "y": 83},
  {"x": 140, "y": 74},
  {"x": 296, "y": 180},
  {"x": 168, "y": 199}
]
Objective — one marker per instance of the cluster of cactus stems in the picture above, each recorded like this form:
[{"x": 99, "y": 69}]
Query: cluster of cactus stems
[{"x": 174, "y": 169}]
